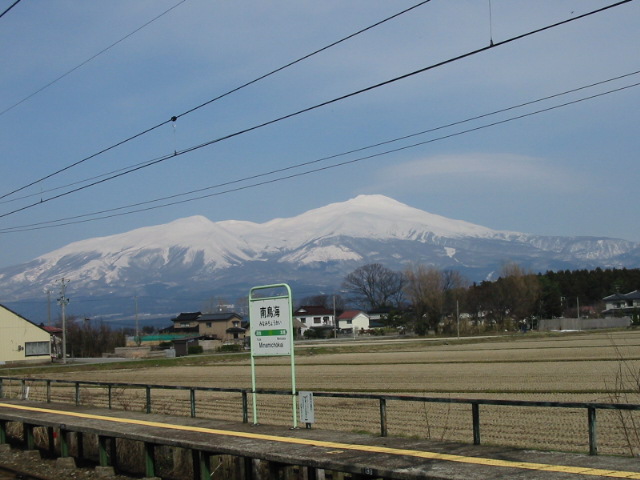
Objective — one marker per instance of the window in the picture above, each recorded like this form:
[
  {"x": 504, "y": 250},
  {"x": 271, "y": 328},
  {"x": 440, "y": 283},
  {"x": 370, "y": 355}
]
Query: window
[
  {"x": 209, "y": 324},
  {"x": 317, "y": 320},
  {"x": 32, "y": 349},
  {"x": 303, "y": 320}
]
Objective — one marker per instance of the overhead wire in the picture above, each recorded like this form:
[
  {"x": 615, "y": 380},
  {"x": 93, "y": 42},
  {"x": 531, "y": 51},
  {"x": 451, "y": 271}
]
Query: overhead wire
[
  {"x": 359, "y": 149},
  {"x": 319, "y": 105},
  {"x": 10, "y": 7},
  {"x": 82, "y": 64},
  {"x": 68, "y": 220},
  {"x": 208, "y": 102}
]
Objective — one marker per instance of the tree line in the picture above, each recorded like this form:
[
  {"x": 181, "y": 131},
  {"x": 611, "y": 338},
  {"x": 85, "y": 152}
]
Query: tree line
[
  {"x": 87, "y": 338},
  {"x": 425, "y": 298}
]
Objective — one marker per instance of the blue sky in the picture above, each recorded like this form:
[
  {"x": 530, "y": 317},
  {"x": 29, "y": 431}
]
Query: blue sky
[{"x": 567, "y": 171}]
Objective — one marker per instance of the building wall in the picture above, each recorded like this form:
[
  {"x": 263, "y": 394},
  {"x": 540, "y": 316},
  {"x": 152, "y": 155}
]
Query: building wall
[
  {"x": 311, "y": 321},
  {"x": 217, "y": 328},
  {"x": 359, "y": 322},
  {"x": 582, "y": 323},
  {"x": 20, "y": 339}
]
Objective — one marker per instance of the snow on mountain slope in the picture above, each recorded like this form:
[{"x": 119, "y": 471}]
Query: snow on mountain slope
[
  {"x": 193, "y": 239},
  {"x": 374, "y": 217},
  {"x": 320, "y": 245},
  {"x": 366, "y": 216}
]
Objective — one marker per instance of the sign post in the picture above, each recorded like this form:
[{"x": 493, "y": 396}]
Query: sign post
[
  {"x": 307, "y": 411},
  {"x": 271, "y": 334}
]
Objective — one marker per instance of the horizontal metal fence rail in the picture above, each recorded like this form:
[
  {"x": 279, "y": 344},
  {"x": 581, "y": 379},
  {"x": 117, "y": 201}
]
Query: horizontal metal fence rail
[{"x": 591, "y": 408}]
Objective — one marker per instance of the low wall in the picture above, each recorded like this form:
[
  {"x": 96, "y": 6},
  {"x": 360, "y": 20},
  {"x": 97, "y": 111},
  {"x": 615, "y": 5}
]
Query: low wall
[
  {"x": 210, "y": 345},
  {"x": 132, "y": 352},
  {"x": 582, "y": 323}
]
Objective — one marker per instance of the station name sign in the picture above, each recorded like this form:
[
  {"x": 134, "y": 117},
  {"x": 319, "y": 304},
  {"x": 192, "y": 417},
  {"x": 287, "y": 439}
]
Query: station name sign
[{"x": 271, "y": 327}]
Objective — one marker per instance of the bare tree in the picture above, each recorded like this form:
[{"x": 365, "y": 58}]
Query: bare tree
[
  {"x": 425, "y": 290},
  {"x": 374, "y": 286},
  {"x": 326, "y": 301},
  {"x": 514, "y": 295}
]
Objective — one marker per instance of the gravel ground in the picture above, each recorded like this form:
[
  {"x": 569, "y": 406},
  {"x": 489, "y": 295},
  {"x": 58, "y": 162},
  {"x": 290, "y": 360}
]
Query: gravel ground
[{"x": 33, "y": 464}]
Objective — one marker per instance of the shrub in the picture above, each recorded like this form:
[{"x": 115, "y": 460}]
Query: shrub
[
  {"x": 310, "y": 333},
  {"x": 195, "y": 350},
  {"x": 231, "y": 348}
]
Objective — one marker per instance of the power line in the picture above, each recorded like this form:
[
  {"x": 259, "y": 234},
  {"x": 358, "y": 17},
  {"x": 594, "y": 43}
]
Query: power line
[
  {"x": 191, "y": 110},
  {"x": 48, "y": 224},
  {"x": 55, "y": 80},
  {"x": 359, "y": 149},
  {"x": 12, "y": 5},
  {"x": 316, "y": 106}
]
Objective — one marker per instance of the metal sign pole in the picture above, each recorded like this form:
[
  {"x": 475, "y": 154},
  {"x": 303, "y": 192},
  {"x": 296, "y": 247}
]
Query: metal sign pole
[
  {"x": 271, "y": 326},
  {"x": 254, "y": 396}
]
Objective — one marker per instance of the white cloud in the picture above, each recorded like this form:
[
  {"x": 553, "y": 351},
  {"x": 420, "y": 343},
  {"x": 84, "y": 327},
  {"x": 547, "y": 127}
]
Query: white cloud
[{"x": 507, "y": 170}]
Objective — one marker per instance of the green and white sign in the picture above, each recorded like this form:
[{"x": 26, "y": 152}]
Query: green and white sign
[{"x": 271, "y": 326}]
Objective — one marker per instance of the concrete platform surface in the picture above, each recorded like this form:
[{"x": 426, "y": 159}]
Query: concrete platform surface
[{"x": 377, "y": 457}]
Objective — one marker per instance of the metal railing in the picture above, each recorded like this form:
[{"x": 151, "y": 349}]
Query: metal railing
[{"x": 590, "y": 408}]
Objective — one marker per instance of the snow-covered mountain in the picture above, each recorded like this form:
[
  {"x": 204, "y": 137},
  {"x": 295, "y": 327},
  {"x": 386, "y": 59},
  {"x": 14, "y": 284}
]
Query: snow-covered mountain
[{"x": 197, "y": 258}]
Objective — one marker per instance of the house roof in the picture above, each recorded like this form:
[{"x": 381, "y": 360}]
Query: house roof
[
  {"x": 312, "y": 310},
  {"x": 50, "y": 329},
  {"x": 186, "y": 317},
  {"x": 235, "y": 330},
  {"x": 349, "y": 314},
  {"x": 219, "y": 317},
  {"x": 635, "y": 295}
]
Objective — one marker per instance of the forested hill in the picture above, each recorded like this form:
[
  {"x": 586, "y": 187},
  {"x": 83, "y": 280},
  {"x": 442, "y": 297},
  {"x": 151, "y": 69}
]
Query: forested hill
[{"x": 591, "y": 286}]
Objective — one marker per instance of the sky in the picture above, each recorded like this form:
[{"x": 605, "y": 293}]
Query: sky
[{"x": 79, "y": 77}]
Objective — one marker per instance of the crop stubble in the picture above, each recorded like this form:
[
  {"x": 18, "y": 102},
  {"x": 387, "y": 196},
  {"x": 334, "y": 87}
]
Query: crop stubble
[{"x": 577, "y": 368}]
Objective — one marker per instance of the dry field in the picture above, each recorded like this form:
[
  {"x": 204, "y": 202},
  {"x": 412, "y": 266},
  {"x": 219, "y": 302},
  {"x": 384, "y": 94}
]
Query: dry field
[{"x": 593, "y": 367}]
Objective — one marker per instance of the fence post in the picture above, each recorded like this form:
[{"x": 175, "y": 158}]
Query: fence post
[
  {"x": 64, "y": 441},
  {"x": 475, "y": 410},
  {"x": 149, "y": 459},
  {"x": 245, "y": 407},
  {"x": 383, "y": 417},
  {"x": 1, "y": 388},
  {"x": 103, "y": 455},
  {"x": 192, "y": 398},
  {"x": 29, "y": 438},
  {"x": 48, "y": 391},
  {"x": 109, "y": 395},
  {"x": 593, "y": 438},
  {"x": 77, "y": 393},
  {"x": 148, "y": 389}
]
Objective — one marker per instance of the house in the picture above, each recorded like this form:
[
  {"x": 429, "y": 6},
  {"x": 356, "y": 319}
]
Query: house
[
  {"x": 620, "y": 304},
  {"x": 378, "y": 318},
  {"x": 186, "y": 322},
  {"x": 226, "y": 327},
  {"x": 22, "y": 341},
  {"x": 56, "y": 339},
  {"x": 315, "y": 316},
  {"x": 353, "y": 321}
]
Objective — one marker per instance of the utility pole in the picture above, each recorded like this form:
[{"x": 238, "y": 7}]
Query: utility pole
[
  {"x": 63, "y": 301},
  {"x": 335, "y": 320},
  {"x": 458, "y": 318},
  {"x": 137, "y": 338},
  {"x": 49, "y": 307}
]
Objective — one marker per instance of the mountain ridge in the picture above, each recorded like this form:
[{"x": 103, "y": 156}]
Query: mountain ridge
[{"x": 313, "y": 251}]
